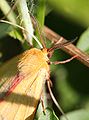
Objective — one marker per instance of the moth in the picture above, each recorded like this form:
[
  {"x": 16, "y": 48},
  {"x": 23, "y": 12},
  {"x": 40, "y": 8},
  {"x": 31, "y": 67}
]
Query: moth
[
  {"x": 22, "y": 80},
  {"x": 21, "y": 83}
]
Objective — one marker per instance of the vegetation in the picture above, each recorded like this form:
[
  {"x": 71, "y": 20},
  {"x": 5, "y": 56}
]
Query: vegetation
[{"x": 69, "y": 19}]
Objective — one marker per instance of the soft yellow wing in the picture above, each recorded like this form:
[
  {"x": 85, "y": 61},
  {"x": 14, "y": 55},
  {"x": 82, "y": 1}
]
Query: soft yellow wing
[{"x": 32, "y": 70}]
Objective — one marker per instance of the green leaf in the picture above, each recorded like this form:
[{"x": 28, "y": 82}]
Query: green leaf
[
  {"x": 48, "y": 115},
  {"x": 65, "y": 93},
  {"x": 12, "y": 31},
  {"x": 41, "y": 11},
  {"x": 83, "y": 41},
  {"x": 78, "y": 115},
  {"x": 4, "y": 29},
  {"x": 5, "y": 8},
  {"x": 40, "y": 16},
  {"x": 16, "y": 35},
  {"x": 76, "y": 10}
]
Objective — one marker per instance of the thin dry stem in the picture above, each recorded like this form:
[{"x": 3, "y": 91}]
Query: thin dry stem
[{"x": 70, "y": 48}]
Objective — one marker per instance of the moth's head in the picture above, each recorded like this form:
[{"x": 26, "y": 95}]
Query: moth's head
[{"x": 45, "y": 53}]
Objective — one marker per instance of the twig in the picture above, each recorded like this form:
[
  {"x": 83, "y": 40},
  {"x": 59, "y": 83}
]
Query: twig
[{"x": 70, "y": 48}]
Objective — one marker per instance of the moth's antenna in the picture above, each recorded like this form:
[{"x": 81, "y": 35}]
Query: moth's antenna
[
  {"x": 22, "y": 28},
  {"x": 59, "y": 44},
  {"x": 54, "y": 100},
  {"x": 35, "y": 22}
]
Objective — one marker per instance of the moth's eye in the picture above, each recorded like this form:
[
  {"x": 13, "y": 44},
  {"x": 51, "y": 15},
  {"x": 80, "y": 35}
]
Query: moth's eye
[
  {"x": 50, "y": 54},
  {"x": 48, "y": 62}
]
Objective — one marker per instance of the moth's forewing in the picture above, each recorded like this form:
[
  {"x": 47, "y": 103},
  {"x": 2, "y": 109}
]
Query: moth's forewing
[
  {"x": 8, "y": 73},
  {"x": 32, "y": 70}
]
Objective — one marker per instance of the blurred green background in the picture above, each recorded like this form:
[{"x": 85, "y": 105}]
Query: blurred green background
[{"x": 69, "y": 19}]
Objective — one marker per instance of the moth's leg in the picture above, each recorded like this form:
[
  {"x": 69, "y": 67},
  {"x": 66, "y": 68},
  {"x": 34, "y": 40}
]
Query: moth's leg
[
  {"x": 54, "y": 99},
  {"x": 65, "y": 61},
  {"x": 42, "y": 102}
]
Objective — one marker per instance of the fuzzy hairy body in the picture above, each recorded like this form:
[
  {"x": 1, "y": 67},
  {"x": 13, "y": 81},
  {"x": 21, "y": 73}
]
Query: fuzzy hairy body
[{"x": 22, "y": 81}]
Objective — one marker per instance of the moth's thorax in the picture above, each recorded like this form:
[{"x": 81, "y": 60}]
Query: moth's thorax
[{"x": 33, "y": 60}]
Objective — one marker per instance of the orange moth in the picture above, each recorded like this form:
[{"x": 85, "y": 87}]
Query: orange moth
[
  {"x": 21, "y": 84},
  {"x": 22, "y": 81}
]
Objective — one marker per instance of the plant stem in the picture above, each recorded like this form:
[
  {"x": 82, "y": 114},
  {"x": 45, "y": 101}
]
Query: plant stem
[
  {"x": 7, "y": 10},
  {"x": 70, "y": 48},
  {"x": 26, "y": 19}
]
